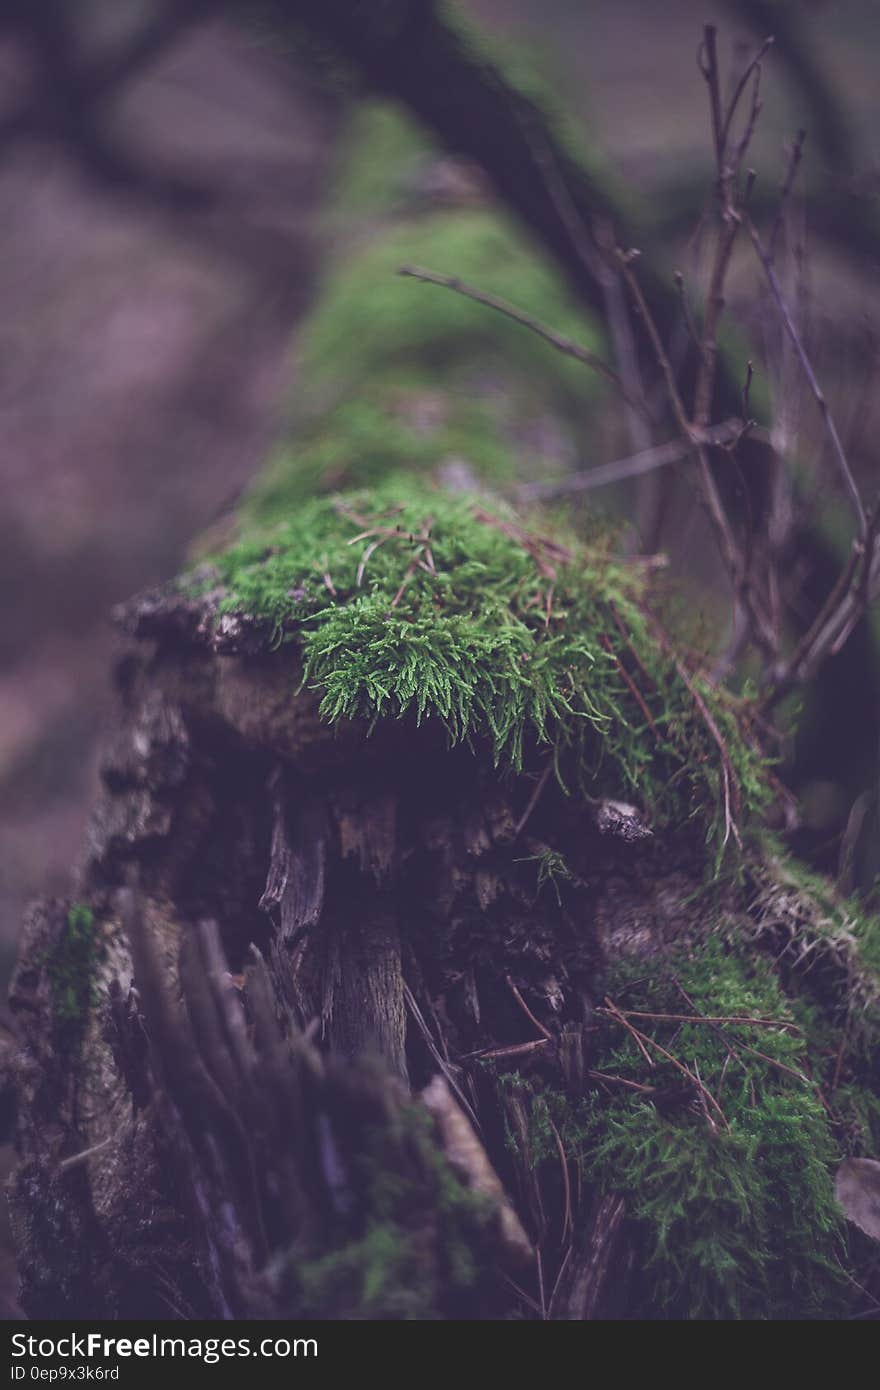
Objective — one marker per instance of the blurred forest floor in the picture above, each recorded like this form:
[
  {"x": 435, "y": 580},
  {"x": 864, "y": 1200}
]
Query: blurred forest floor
[{"x": 147, "y": 349}]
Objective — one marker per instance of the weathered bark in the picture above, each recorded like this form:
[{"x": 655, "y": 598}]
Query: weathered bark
[
  {"x": 324, "y": 1030},
  {"x": 181, "y": 1141}
]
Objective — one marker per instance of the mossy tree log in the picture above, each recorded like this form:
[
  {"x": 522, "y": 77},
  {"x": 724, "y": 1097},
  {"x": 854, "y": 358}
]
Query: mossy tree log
[
  {"x": 352, "y": 1023},
  {"x": 430, "y": 957}
]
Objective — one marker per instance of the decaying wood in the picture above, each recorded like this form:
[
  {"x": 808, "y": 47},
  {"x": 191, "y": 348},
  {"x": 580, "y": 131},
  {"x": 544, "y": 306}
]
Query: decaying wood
[
  {"x": 583, "y": 1293},
  {"x": 299, "y": 933}
]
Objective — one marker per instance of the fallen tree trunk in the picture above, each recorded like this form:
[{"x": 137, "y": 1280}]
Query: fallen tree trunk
[
  {"x": 287, "y": 930},
  {"x": 430, "y": 957}
]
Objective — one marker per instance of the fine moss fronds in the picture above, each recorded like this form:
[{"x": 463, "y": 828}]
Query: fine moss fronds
[
  {"x": 410, "y": 602},
  {"x": 552, "y": 870},
  {"x": 734, "y": 1219},
  {"x": 827, "y": 945}
]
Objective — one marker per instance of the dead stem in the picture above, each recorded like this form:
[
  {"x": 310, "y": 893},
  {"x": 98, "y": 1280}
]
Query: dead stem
[{"x": 545, "y": 1033}]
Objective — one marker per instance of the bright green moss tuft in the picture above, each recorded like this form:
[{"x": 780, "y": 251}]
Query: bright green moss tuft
[
  {"x": 732, "y": 1210},
  {"x": 70, "y": 968},
  {"x": 412, "y": 602}
]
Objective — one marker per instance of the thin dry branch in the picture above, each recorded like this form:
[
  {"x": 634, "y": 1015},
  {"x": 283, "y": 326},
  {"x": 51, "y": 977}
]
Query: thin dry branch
[
  {"x": 625, "y": 260},
  {"x": 613, "y": 1080},
  {"x": 696, "y": 434},
  {"x": 634, "y": 466},
  {"x": 566, "y": 346},
  {"x": 731, "y": 216},
  {"x": 729, "y": 781},
  {"x": 630, "y": 684},
  {"x": 645, "y": 1041},
  {"x": 534, "y": 798},
  {"x": 795, "y": 157},
  {"x": 857, "y": 586},
  {"x": 796, "y": 341},
  {"x": 730, "y": 785},
  {"x": 754, "y": 66},
  {"x": 711, "y": 1018},
  {"x": 637, "y": 1037},
  {"x": 441, "y": 1061},
  {"x": 686, "y": 312},
  {"x": 545, "y": 1033}
]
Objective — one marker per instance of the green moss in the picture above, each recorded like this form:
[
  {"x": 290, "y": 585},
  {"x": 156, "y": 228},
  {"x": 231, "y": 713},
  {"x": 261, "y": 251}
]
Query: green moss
[
  {"x": 361, "y": 441},
  {"x": 733, "y": 1213},
  {"x": 412, "y": 602},
  {"x": 552, "y": 870},
  {"x": 827, "y": 946},
  {"x": 379, "y": 149},
  {"x": 70, "y": 967}
]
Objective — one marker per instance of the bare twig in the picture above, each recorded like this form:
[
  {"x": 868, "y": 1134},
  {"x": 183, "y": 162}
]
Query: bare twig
[
  {"x": 545, "y": 1032},
  {"x": 630, "y": 684},
  {"x": 795, "y": 157},
  {"x": 533, "y": 799},
  {"x": 779, "y": 1066},
  {"x": 633, "y": 1032},
  {"x": 686, "y": 312},
  {"x": 566, "y": 346},
  {"x": 567, "y": 1223},
  {"x": 803, "y": 658},
  {"x": 818, "y": 395},
  {"x": 707, "y": 61},
  {"x": 605, "y": 474},
  {"x": 697, "y": 1017},
  {"x": 620, "y": 1081},
  {"x": 754, "y": 66},
  {"x": 625, "y": 260},
  {"x": 74, "y": 1160},
  {"x": 645, "y": 1041},
  {"x": 512, "y": 1050},
  {"x": 730, "y": 785},
  {"x": 444, "y": 1066},
  {"x": 696, "y": 433}
]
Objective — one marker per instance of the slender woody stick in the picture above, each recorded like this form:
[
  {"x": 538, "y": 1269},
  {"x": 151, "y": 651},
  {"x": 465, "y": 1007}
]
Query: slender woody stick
[
  {"x": 849, "y": 481},
  {"x": 510, "y": 311}
]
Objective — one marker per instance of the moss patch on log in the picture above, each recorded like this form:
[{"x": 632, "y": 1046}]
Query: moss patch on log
[
  {"x": 732, "y": 1203},
  {"x": 71, "y": 970},
  {"x": 412, "y": 602},
  {"x": 444, "y": 377}
]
